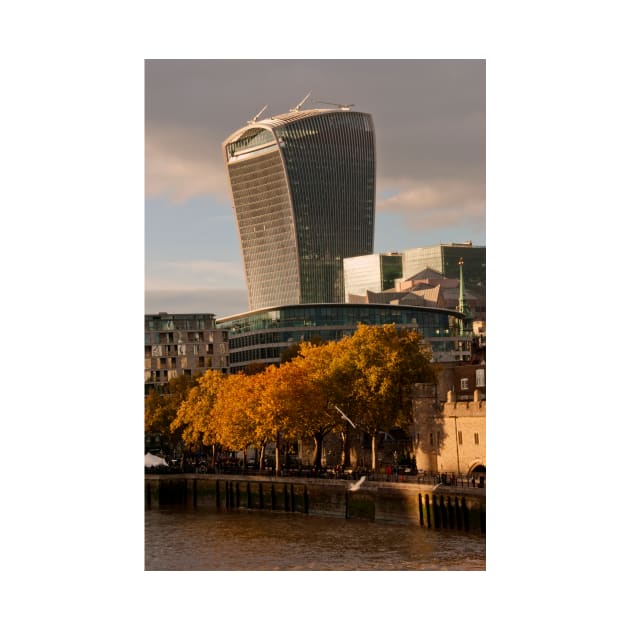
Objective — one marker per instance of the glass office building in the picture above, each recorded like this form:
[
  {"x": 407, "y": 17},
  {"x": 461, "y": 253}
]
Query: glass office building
[
  {"x": 303, "y": 192},
  {"x": 374, "y": 272},
  {"x": 445, "y": 260},
  {"x": 262, "y": 335}
]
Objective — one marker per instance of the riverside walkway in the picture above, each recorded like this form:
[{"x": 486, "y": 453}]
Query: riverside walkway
[{"x": 406, "y": 501}]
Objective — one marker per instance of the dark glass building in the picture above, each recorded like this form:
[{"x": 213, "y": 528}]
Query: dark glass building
[
  {"x": 261, "y": 336},
  {"x": 445, "y": 259},
  {"x": 303, "y": 192}
]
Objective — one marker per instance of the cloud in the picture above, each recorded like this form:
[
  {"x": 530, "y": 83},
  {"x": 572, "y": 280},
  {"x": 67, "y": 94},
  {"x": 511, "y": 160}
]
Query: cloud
[
  {"x": 429, "y": 115},
  {"x": 180, "y": 166},
  {"x": 190, "y": 275},
  {"x": 221, "y": 302},
  {"x": 429, "y": 119},
  {"x": 434, "y": 204}
]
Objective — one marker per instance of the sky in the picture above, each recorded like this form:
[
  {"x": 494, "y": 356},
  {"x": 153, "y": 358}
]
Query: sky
[{"x": 429, "y": 119}]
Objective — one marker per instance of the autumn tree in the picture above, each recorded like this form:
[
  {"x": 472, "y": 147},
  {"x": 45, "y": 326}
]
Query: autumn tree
[
  {"x": 382, "y": 363},
  {"x": 254, "y": 368},
  {"x": 293, "y": 350},
  {"x": 237, "y": 413},
  {"x": 195, "y": 419},
  {"x": 160, "y": 409},
  {"x": 318, "y": 384},
  {"x": 276, "y": 409}
]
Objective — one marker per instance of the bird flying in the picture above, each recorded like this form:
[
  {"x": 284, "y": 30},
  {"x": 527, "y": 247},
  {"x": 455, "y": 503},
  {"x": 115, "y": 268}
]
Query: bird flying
[{"x": 355, "y": 486}]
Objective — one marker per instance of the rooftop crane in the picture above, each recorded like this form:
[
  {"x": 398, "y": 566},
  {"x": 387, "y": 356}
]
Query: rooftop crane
[
  {"x": 345, "y": 106},
  {"x": 297, "y": 107},
  {"x": 257, "y": 116}
]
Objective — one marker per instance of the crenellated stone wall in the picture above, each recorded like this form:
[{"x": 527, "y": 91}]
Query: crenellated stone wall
[{"x": 449, "y": 437}]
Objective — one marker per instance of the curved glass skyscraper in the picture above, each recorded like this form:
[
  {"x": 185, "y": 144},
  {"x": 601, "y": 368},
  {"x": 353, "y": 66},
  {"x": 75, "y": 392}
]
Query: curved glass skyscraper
[{"x": 303, "y": 191}]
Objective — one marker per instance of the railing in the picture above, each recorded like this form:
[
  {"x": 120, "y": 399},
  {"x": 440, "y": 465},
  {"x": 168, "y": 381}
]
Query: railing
[{"x": 396, "y": 476}]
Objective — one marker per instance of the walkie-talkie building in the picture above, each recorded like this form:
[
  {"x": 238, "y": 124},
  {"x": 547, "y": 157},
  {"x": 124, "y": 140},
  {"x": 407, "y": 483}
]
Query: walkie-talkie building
[{"x": 303, "y": 191}]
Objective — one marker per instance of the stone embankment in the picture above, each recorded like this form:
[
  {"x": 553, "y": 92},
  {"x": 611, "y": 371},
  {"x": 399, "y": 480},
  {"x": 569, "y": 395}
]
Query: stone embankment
[{"x": 430, "y": 506}]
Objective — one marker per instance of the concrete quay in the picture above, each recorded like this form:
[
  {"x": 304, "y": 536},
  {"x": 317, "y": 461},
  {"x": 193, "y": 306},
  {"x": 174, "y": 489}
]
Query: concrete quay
[{"x": 429, "y": 506}]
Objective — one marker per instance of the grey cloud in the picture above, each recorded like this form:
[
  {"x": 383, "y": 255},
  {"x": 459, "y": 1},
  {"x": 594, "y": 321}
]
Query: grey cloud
[
  {"x": 429, "y": 118},
  {"x": 447, "y": 202},
  {"x": 221, "y": 302},
  {"x": 190, "y": 274},
  {"x": 179, "y": 166}
]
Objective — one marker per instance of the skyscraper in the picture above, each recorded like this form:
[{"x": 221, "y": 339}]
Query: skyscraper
[{"x": 303, "y": 191}]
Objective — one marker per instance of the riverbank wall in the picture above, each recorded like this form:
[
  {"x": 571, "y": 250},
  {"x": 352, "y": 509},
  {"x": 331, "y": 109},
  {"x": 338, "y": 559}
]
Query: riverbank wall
[{"x": 429, "y": 506}]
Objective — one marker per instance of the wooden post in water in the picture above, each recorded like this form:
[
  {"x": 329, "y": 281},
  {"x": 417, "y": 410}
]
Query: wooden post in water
[
  {"x": 458, "y": 513},
  {"x": 465, "y": 515},
  {"x": 436, "y": 512}
]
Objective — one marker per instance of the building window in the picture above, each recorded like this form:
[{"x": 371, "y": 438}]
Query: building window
[
  {"x": 480, "y": 378},
  {"x": 459, "y": 437},
  {"x": 476, "y": 438},
  {"x": 464, "y": 383}
]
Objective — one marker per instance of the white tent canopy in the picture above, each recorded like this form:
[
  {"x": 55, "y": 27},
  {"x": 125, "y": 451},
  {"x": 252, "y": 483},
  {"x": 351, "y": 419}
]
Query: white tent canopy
[{"x": 153, "y": 460}]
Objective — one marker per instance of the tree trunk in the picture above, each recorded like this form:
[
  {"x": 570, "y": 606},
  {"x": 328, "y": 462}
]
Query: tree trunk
[
  {"x": 374, "y": 437},
  {"x": 261, "y": 461},
  {"x": 345, "y": 450},
  {"x": 278, "y": 453},
  {"x": 317, "y": 455}
]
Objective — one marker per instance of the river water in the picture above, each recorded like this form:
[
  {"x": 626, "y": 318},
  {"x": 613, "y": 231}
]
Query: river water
[{"x": 205, "y": 539}]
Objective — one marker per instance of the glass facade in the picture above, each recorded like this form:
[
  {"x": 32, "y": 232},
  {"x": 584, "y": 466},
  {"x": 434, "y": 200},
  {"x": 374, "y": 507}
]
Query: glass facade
[
  {"x": 375, "y": 272},
  {"x": 262, "y": 335},
  {"x": 445, "y": 260},
  {"x": 391, "y": 270},
  {"x": 417, "y": 259},
  {"x": 303, "y": 191}
]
